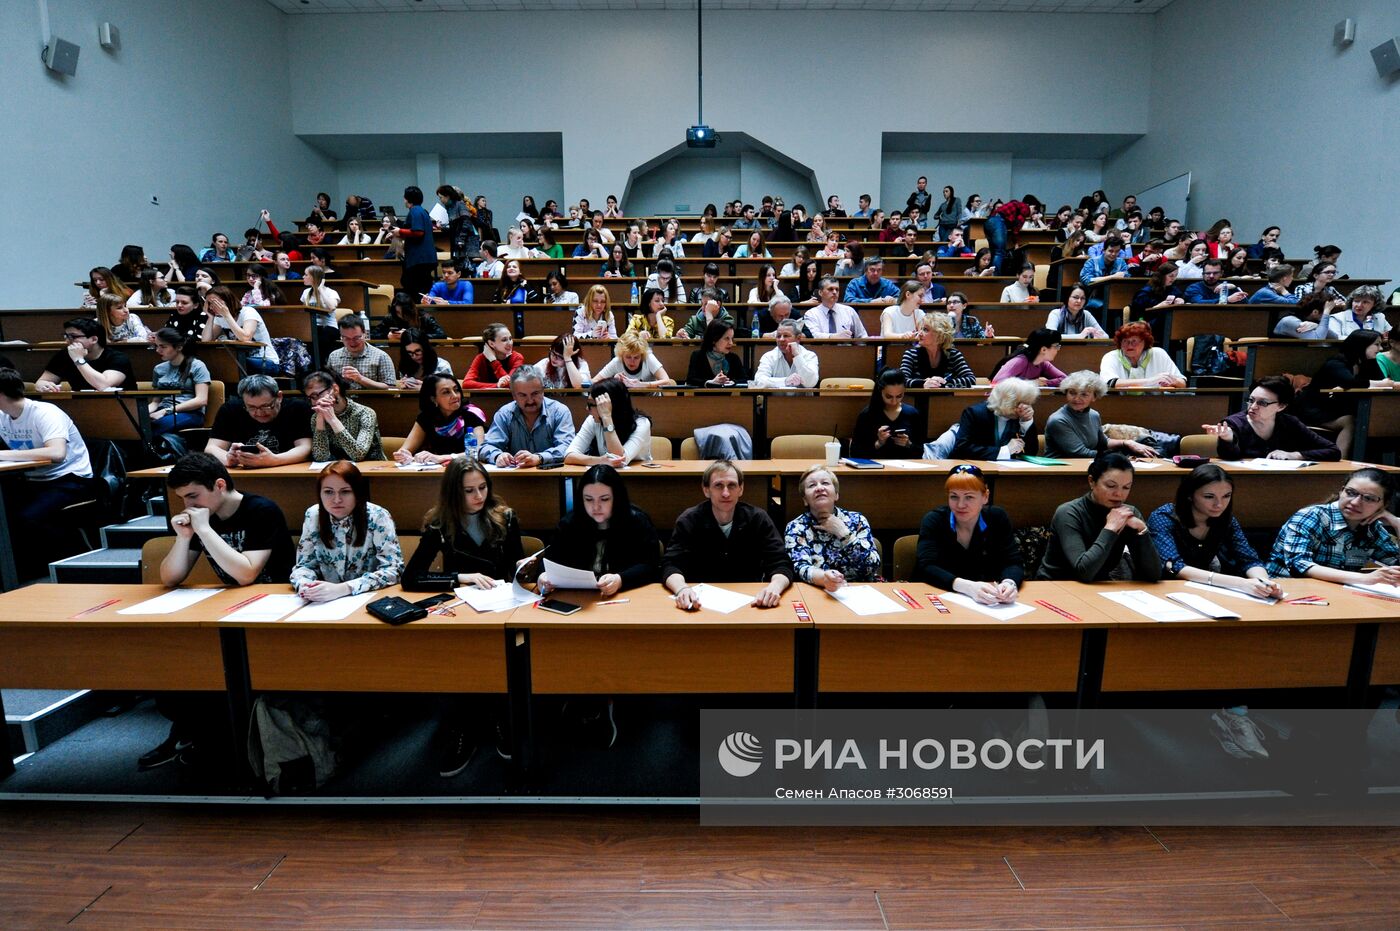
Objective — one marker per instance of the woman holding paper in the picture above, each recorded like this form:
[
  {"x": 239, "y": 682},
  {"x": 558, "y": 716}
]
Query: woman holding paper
[
  {"x": 348, "y": 544},
  {"x": 607, "y": 535},
  {"x": 830, "y": 546},
  {"x": 1100, "y": 537},
  {"x": 967, "y": 545},
  {"x": 1199, "y": 539},
  {"x": 1334, "y": 541}
]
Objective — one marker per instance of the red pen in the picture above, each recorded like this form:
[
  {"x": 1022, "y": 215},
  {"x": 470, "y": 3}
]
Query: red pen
[
  {"x": 1058, "y": 610},
  {"x": 95, "y": 608},
  {"x": 244, "y": 603},
  {"x": 908, "y": 599}
]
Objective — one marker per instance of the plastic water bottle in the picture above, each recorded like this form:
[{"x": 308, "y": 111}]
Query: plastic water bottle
[
  {"x": 756, "y": 333},
  {"x": 471, "y": 448},
  {"x": 1223, "y": 296},
  {"x": 635, "y": 293}
]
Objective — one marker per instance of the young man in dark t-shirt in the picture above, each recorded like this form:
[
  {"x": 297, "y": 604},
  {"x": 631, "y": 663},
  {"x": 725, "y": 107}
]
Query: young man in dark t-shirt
[
  {"x": 86, "y": 364},
  {"x": 246, "y": 541},
  {"x": 279, "y": 427}
]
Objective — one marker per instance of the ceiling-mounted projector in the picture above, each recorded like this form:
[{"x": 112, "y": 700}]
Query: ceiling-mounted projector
[{"x": 700, "y": 137}]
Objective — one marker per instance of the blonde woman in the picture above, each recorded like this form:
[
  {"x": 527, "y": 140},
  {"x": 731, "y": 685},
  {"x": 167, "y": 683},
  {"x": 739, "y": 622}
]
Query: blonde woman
[
  {"x": 121, "y": 324},
  {"x": 934, "y": 362},
  {"x": 1002, "y": 426},
  {"x": 634, "y": 363},
  {"x": 594, "y": 318}
]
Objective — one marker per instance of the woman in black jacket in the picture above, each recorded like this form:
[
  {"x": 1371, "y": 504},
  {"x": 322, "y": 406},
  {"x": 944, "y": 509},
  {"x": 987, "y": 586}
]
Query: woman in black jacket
[
  {"x": 607, "y": 535},
  {"x": 476, "y": 533},
  {"x": 715, "y": 364},
  {"x": 967, "y": 545}
]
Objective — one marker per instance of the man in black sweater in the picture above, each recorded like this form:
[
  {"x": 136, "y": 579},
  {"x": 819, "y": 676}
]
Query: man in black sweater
[{"x": 725, "y": 540}]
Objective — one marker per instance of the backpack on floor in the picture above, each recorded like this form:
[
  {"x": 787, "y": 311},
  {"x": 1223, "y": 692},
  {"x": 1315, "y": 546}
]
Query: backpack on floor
[{"x": 290, "y": 746}]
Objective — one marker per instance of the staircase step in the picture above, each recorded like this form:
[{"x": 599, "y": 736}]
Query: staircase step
[
  {"x": 116, "y": 566},
  {"x": 135, "y": 532},
  {"x": 37, "y": 718},
  {"x": 157, "y": 505}
]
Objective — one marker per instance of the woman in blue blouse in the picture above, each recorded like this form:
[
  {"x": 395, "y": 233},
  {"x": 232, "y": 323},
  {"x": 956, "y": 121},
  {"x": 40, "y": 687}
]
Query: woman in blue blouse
[
  {"x": 1200, "y": 540},
  {"x": 830, "y": 546},
  {"x": 348, "y": 544}
]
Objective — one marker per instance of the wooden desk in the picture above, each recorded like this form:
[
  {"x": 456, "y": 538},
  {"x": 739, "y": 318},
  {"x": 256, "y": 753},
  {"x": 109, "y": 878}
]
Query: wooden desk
[
  {"x": 963, "y": 651},
  {"x": 221, "y": 357},
  {"x": 1273, "y": 646},
  {"x": 649, "y": 646},
  {"x": 1236, "y": 322},
  {"x": 1295, "y": 356}
]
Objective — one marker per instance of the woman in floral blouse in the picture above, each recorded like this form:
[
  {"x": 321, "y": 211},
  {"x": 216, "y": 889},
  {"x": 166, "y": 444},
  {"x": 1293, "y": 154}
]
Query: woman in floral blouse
[
  {"x": 830, "y": 546},
  {"x": 348, "y": 545}
]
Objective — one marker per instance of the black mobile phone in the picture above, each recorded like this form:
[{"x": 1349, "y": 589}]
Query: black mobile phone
[
  {"x": 432, "y": 601},
  {"x": 559, "y": 607},
  {"x": 553, "y": 464},
  {"x": 247, "y": 448}
]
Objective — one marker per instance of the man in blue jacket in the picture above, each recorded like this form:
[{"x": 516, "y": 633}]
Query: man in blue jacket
[
  {"x": 871, "y": 288},
  {"x": 1213, "y": 287}
]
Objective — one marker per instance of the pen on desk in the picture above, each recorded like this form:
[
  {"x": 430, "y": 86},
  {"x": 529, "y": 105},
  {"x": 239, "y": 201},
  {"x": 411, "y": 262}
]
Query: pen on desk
[
  {"x": 244, "y": 603},
  {"x": 1307, "y": 465},
  {"x": 908, "y": 599},
  {"x": 616, "y": 601},
  {"x": 95, "y": 608},
  {"x": 1058, "y": 610}
]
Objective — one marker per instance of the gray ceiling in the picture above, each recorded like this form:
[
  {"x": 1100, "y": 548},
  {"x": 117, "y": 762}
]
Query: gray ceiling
[{"x": 977, "y": 6}]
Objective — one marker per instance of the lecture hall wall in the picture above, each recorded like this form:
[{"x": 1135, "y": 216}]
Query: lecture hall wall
[
  {"x": 1276, "y": 125},
  {"x": 193, "y": 108}
]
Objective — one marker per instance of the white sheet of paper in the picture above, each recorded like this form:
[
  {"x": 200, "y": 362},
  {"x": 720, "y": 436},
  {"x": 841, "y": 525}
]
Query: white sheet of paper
[
  {"x": 1203, "y": 605},
  {"x": 1139, "y": 464},
  {"x": 336, "y": 610},
  {"x": 1018, "y": 464},
  {"x": 171, "y": 601},
  {"x": 266, "y": 609},
  {"x": 1274, "y": 465},
  {"x": 502, "y": 597},
  {"x": 1005, "y": 612},
  {"x": 417, "y": 466},
  {"x": 1150, "y": 606},
  {"x": 319, "y": 466},
  {"x": 866, "y": 600},
  {"x": 569, "y": 577},
  {"x": 714, "y": 598},
  {"x": 1383, "y": 589},
  {"x": 1232, "y": 593},
  {"x": 910, "y": 464}
]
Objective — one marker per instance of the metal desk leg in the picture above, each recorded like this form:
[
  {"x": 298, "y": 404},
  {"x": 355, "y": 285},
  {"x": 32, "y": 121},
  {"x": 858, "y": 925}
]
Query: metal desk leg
[
  {"x": 7, "y": 752},
  {"x": 9, "y": 572},
  {"x": 519, "y": 700},
  {"x": 1363, "y": 656},
  {"x": 1092, "y": 649},
  {"x": 238, "y": 681},
  {"x": 806, "y": 654}
]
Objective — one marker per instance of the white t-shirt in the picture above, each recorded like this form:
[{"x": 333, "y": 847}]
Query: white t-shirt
[
  {"x": 248, "y": 316},
  {"x": 1152, "y": 363},
  {"x": 1015, "y": 293},
  {"x": 650, "y": 366},
  {"x": 894, "y": 321},
  {"x": 38, "y": 423},
  {"x": 754, "y": 298},
  {"x": 591, "y": 440}
]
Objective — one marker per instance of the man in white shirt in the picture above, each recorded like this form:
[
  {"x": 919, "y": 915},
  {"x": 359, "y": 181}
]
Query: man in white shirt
[
  {"x": 489, "y": 266},
  {"x": 42, "y": 432},
  {"x": 831, "y": 320},
  {"x": 790, "y": 364}
]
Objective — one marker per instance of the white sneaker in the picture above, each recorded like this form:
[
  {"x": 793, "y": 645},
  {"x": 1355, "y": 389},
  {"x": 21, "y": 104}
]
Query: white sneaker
[{"x": 1240, "y": 731}]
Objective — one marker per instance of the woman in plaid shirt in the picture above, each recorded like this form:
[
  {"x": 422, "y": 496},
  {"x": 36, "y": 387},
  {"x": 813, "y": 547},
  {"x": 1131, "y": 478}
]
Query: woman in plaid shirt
[{"x": 1335, "y": 541}]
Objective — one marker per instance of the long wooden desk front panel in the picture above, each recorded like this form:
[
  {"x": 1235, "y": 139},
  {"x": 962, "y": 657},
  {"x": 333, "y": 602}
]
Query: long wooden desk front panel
[
  {"x": 50, "y": 637},
  {"x": 650, "y": 646},
  {"x": 963, "y": 651},
  {"x": 1273, "y": 646}
]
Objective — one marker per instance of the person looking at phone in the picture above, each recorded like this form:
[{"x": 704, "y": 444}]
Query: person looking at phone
[
  {"x": 265, "y": 430},
  {"x": 725, "y": 540},
  {"x": 887, "y": 428},
  {"x": 245, "y": 539}
]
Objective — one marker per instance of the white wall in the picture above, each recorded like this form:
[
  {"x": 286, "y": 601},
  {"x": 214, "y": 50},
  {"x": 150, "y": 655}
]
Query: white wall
[
  {"x": 1295, "y": 132},
  {"x": 694, "y": 181},
  {"x": 381, "y": 180},
  {"x": 504, "y": 181},
  {"x": 1055, "y": 181},
  {"x": 988, "y": 174},
  {"x": 193, "y": 108},
  {"x": 606, "y": 133}
]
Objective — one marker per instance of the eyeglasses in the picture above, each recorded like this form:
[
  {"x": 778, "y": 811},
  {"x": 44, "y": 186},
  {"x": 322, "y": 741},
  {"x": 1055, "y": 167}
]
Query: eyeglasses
[
  {"x": 313, "y": 398},
  {"x": 590, "y": 405},
  {"x": 267, "y": 408},
  {"x": 1259, "y": 402},
  {"x": 966, "y": 469},
  {"x": 1350, "y": 492},
  {"x": 72, "y": 336}
]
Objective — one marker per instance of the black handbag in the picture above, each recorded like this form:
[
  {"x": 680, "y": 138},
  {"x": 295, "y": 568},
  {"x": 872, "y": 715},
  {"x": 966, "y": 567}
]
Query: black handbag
[{"x": 395, "y": 610}]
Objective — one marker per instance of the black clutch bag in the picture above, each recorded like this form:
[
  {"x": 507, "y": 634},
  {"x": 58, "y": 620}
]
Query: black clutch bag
[{"x": 395, "y": 610}]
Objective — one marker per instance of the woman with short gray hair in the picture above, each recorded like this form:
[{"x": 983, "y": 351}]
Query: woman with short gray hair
[{"x": 1075, "y": 431}]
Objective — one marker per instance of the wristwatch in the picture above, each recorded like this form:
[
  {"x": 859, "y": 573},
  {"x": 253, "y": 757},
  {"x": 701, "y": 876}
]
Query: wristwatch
[
  {"x": 609, "y": 428},
  {"x": 80, "y": 361}
]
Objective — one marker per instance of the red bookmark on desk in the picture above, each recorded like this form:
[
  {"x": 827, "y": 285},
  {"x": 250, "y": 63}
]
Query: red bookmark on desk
[
  {"x": 802, "y": 613},
  {"x": 938, "y": 604},
  {"x": 244, "y": 603},
  {"x": 908, "y": 599},
  {"x": 1058, "y": 610},
  {"x": 95, "y": 608}
]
